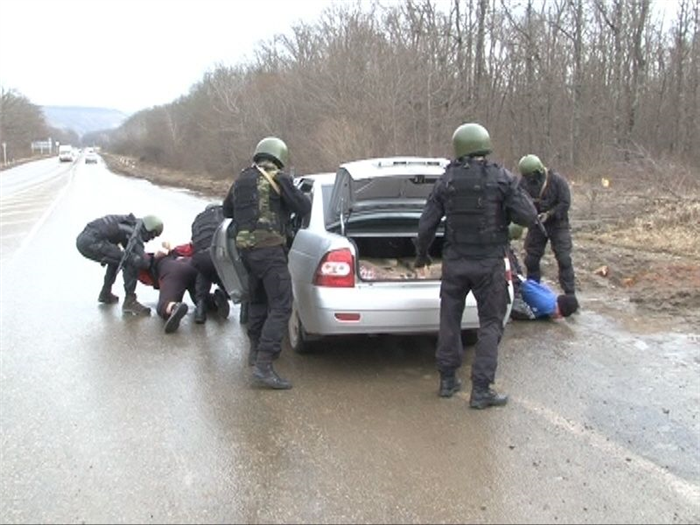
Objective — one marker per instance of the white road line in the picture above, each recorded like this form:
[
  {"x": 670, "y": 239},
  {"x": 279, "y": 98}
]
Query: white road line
[
  {"x": 11, "y": 235},
  {"x": 4, "y": 223},
  {"x": 42, "y": 219},
  {"x": 679, "y": 485}
]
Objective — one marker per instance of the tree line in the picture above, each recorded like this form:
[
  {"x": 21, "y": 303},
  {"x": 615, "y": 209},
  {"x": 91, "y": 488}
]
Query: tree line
[
  {"x": 581, "y": 83},
  {"x": 22, "y": 122}
]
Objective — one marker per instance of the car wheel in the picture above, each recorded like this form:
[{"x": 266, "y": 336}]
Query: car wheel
[
  {"x": 469, "y": 337},
  {"x": 296, "y": 335}
]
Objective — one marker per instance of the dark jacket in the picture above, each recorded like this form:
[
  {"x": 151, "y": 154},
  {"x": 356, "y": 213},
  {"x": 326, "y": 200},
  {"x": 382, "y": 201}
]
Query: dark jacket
[
  {"x": 268, "y": 220},
  {"x": 550, "y": 192},
  {"x": 488, "y": 236}
]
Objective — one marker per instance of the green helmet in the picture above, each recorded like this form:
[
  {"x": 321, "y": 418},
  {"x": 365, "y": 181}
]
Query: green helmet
[
  {"x": 471, "y": 140},
  {"x": 515, "y": 231},
  {"x": 153, "y": 225},
  {"x": 530, "y": 164},
  {"x": 272, "y": 148}
]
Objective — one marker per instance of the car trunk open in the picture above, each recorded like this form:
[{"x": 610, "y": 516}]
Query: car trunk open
[{"x": 386, "y": 251}]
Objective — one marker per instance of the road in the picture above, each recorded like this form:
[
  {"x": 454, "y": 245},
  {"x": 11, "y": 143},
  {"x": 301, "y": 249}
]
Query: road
[{"x": 107, "y": 419}]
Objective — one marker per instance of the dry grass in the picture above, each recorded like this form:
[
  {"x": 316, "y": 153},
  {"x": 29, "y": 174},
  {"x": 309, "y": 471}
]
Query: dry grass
[{"x": 673, "y": 228}]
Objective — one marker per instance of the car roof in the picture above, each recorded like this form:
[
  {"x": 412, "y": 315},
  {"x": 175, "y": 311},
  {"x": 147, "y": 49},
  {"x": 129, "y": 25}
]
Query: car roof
[
  {"x": 393, "y": 166},
  {"x": 323, "y": 178}
]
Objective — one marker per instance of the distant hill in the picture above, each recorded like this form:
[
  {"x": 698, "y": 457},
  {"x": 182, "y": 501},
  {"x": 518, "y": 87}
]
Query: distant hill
[{"x": 83, "y": 120}]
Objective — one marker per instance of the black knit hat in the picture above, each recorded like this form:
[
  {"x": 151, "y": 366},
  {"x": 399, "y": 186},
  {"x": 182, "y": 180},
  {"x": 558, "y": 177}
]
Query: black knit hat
[{"x": 568, "y": 304}]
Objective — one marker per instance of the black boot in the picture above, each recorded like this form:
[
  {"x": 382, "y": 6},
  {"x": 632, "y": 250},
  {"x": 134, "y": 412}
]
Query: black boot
[
  {"x": 223, "y": 308},
  {"x": 107, "y": 297},
  {"x": 484, "y": 397},
  {"x": 200, "y": 312},
  {"x": 176, "y": 314},
  {"x": 449, "y": 384},
  {"x": 132, "y": 306},
  {"x": 265, "y": 375}
]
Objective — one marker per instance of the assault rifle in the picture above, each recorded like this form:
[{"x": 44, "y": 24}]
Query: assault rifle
[{"x": 133, "y": 239}]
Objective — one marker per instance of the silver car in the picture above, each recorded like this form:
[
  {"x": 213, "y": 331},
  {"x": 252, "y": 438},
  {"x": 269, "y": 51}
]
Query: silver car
[{"x": 351, "y": 259}]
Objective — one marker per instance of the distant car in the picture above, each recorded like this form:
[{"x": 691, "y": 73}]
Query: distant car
[
  {"x": 351, "y": 260},
  {"x": 91, "y": 158}
]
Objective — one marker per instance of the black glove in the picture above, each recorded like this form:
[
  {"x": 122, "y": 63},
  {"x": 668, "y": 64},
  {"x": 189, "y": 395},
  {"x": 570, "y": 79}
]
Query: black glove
[{"x": 422, "y": 260}]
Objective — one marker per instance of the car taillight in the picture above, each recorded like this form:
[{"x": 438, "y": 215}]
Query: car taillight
[{"x": 336, "y": 270}]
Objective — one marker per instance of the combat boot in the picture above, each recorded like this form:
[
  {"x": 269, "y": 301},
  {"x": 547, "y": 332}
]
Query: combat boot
[
  {"x": 221, "y": 302},
  {"x": 265, "y": 375},
  {"x": 107, "y": 297},
  {"x": 133, "y": 307},
  {"x": 449, "y": 384},
  {"x": 200, "y": 312},
  {"x": 484, "y": 397},
  {"x": 176, "y": 314}
]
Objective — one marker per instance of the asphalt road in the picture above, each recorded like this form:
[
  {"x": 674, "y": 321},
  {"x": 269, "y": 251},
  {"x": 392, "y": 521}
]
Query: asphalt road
[{"x": 107, "y": 419}]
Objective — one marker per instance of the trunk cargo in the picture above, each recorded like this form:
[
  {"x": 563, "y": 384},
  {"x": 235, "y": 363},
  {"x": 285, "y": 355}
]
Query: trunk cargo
[{"x": 389, "y": 258}]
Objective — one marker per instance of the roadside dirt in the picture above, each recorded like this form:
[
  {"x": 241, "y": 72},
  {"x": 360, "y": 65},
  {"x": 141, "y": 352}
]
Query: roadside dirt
[{"x": 637, "y": 248}]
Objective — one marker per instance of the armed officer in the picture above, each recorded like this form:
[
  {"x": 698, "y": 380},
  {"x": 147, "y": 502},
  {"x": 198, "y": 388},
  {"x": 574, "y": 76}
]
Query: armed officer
[
  {"x": 102, "y": 241},
  {"x": 552, "y": 197},
  {"x": 479, "y": 199},
  {"x": 260, "y": 203},
  {"x": 203, "y": 228}
]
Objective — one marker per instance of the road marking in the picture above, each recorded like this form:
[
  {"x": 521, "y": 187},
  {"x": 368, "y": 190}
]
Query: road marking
[
  {"x": 12, "y": 223},
  {"x": 680, "y": 486}
]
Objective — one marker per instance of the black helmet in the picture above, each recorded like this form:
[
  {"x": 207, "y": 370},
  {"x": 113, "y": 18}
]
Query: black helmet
[
  {"x": 273, "y": 149},
  {"x": 471, "y": 140}
]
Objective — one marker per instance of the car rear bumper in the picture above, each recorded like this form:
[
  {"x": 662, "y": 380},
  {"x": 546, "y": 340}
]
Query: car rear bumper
[{"x": 377, "y": 309}]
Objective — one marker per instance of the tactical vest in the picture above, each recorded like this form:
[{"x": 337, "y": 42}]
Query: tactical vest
[
  {"x": 258, "y": 211},
  {"x": 108, "y": 226},
  {"x": 476, "y": 221},
  {"x": 204, "y": 226}
]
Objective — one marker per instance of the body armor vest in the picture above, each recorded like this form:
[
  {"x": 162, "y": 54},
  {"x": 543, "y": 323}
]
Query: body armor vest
[
  {"x": 475, "y": 218},
  {"x": 258, "y": 211},
  {"x": 108, "y": 226},
  {"x": 204, "y": 226}
]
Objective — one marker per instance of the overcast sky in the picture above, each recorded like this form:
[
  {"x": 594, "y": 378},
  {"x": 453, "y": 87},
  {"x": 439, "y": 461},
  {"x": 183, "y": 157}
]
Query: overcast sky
[{"x": 132, "y": 54}]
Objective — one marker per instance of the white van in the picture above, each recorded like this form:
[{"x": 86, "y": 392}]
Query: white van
[{"x": 65, "y": 153}]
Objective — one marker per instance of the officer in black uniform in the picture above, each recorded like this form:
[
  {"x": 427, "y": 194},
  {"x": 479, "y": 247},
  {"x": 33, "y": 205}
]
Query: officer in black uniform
[
  {"x": 101, "y": 240},
  {"x": 478, "y": 199},
  {"x": 552, "y": 197},
  {"x": 260, "y": 203},
  {"x": 203, "y": 228}
]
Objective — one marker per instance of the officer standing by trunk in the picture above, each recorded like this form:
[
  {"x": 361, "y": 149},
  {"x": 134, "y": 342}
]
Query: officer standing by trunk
[
  {"x": 101, "y": 240},
  {"x": 552, "y": 197},
  {"x": 478, "y": 198},
  {"x": 260, "y": 203}
]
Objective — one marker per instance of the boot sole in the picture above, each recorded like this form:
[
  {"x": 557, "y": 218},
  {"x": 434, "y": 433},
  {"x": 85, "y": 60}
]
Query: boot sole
[
  {"x": 481, "y": 406},
  {"x": 173, "y": 321}
]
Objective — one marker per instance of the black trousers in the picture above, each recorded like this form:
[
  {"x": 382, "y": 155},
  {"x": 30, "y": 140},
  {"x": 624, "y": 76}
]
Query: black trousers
[
  {"x": 175, "y": 277},
  {"x": 486, "y": 279},
  {"x": 560, "y": 238},
  {"x": 270, "y": 299},
  {"x": 92, "y": 246},
  {"x": 206, "y": 276}
]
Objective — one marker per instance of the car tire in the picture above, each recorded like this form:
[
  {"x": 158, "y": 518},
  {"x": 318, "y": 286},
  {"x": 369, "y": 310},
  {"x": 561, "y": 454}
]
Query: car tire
[
  {"x": 296, "y": 334},
  {"x": 469, "y": 337}
]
